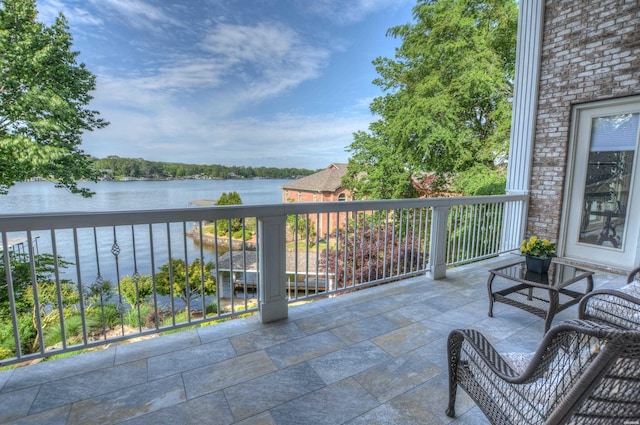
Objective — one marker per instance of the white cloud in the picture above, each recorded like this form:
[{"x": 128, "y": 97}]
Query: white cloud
[
  {"x": 50, "y": 9},
  {"x": 271, "y": 58},
  {"x": 347, "y": 12},
  {"x": 196, "y": 73},
  {"x": 184, "y": 94},
  {"x": 165, "y": 132},
  {"x": 261, "y": 43},
  {"x": 246, "y": 64},
  {"x": 138, "y": 13}
]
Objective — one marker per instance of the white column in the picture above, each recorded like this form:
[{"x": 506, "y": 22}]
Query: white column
[
  {"x": 438, "y": 247},
  {"x": 523, "y": 120},
  {"x": 272, "y": 266}
]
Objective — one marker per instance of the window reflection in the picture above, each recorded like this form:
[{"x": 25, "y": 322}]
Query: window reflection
[{"x": 606, "y": 196}]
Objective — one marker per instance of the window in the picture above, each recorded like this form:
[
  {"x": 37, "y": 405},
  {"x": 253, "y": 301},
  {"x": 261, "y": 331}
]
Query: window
[
  {"x": 606, "y": 195},
  {"x": 601, "y": 194}
]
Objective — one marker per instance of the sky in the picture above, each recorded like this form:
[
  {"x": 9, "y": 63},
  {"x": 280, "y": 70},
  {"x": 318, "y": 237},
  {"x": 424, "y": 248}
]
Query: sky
[{"x": 274, "y": 83}]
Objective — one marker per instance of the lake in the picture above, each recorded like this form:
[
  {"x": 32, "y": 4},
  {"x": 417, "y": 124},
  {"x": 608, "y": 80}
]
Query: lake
[{"x": 41, "y": 196}]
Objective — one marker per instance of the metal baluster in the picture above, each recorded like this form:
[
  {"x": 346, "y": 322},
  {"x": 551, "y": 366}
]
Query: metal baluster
[
  {"x": 56, "y": 265},
  {"x": 6, "y": 254},
  {"x": 136, "y": 279},
  {"x": 115, "y": 250},
  {"x": 34, "y": 287},
  {"x": 171, "y": 295},
  {"x": 156, "y": 311}
]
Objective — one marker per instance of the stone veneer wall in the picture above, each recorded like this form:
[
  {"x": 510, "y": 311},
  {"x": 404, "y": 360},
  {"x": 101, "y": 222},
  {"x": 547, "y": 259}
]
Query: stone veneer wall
[{"x": 591, "y": 51}]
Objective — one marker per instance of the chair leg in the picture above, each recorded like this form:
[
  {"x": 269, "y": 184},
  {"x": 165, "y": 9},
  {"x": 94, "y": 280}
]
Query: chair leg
[
  {"x": 453, "y": 353},
  {"x": 453, "y": 387},
  {"x": 451, "y": 411}
]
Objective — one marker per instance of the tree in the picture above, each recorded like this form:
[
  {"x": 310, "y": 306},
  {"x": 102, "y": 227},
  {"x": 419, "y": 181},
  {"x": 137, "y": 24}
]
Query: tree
[
  {"x": 186, "y": 281},
  {"x": 43, "y": 99},
  {"x": 233, "y": 224},
  {"x": 22, "y": 278},
  {"x": 231, "y": 198},
  {"x": 136, "y": 289},
  {"x": 446, "y": 107},
  {"x": 300, "y": 227},
  {"x": 46, "y": 311},
  {"x": 374, "y": 247}
]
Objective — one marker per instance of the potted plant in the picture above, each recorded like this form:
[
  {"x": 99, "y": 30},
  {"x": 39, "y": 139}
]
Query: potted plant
[{"x": 538, "y": 253}]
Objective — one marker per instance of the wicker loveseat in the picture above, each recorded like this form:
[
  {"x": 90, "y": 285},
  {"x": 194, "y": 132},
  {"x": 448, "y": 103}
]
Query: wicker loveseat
[
  {"x": 582, "y": 373},
  {"x": 616, "y": 307}
]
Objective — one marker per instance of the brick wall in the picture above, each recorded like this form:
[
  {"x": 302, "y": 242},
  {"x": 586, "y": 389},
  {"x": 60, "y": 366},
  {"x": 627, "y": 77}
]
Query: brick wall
[
  {"x": 323, "y": 223},
  {"x": 591, "y": 51}
]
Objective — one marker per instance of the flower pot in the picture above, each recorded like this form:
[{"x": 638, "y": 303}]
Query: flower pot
[{"x": 537, "y": 264}]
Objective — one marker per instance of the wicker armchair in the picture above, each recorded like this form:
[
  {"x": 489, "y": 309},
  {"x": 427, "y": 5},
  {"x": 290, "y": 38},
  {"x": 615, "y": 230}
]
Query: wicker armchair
[
  {"x": 615, "y": 307},
  {"x": 582, "y": 373}
]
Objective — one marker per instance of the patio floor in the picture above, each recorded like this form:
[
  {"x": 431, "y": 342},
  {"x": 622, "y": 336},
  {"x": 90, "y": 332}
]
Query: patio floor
[{"x": 376, "y": 356}]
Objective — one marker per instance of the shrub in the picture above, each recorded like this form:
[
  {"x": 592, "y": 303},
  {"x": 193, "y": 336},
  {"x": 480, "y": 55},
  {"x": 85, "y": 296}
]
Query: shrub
[
  {"x": 6, "y": 340},
  {"x": 5, "y": 353},
  {"x": 111, "y": 316},
  {"x": 73, "y": 329},
  {"x": 212, "y": 308},
  {"x": 136, "y": 289},
  {"x": 132, "y": 318},
  {"x": 26, "y": 332},
  {"x": 150, "y": 319}
]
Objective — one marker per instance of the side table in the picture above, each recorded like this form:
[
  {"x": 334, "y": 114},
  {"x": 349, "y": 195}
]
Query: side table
[{"x": 544, "y": 294}]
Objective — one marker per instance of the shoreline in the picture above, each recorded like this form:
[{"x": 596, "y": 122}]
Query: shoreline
[{"x": 210, "y": 240}]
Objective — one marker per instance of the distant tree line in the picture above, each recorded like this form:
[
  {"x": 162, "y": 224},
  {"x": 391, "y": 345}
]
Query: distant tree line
[{"x": 141, "y": 168}]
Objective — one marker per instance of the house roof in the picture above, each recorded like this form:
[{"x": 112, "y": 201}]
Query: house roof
[
  {"x": 327, "y": 180},
  {"x": 238, "y": 259}
]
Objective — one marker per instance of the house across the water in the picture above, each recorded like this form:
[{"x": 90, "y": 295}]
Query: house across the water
[{"x": 323, "y": 186}]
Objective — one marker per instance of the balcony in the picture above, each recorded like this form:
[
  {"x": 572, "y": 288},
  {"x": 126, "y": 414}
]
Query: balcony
[
  {"x": 366, "y": 357},
  {"x": 346, "y": 327}
]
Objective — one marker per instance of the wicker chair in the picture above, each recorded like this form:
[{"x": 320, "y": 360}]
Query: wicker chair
[
  {"x": 615, "y": 307},
  {"x": 582, "y": 373}
]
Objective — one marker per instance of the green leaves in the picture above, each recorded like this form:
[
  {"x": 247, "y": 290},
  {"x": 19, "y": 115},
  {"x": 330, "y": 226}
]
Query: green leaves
[
  {"x": 43, "y": 99},
  {"x": 186, "y": 281},
  {"x": 447, "y": 106},
  {"x": 231, "y": 198}
]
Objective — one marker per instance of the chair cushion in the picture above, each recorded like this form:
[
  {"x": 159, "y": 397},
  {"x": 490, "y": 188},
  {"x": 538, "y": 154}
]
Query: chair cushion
[
  {"x": 632, "y": 289},
  {"x": 518, "y": 361},
  {"x": 616, "y": 311},
  {"x": 543, "y": 393}
]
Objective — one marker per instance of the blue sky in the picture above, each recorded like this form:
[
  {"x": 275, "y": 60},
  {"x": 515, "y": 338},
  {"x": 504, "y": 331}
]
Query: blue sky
[{"x": 276, "y": 83}]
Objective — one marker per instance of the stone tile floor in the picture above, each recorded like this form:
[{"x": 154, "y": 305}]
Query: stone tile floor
[{"x": 376, "y": 356}]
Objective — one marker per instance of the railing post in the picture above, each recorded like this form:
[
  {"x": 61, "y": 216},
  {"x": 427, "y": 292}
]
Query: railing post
[
  {"x": 514, "y": 225},
  {"x": 272, "y": 266},
  {"x": 438, "y": 247}
]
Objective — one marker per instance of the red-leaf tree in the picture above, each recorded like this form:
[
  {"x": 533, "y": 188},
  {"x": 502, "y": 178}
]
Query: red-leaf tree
[{"x": 376, "y": 247}]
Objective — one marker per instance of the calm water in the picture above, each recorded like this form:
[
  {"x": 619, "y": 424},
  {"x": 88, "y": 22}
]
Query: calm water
[
  {"x": 41, "y": 197},
  {"x": 38, "y": 197}
]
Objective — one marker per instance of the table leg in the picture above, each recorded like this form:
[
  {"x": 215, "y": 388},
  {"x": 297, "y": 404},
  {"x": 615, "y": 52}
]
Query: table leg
[
  {"x": 589, "y": 284},
  {"x": 489, "y": 283}
]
